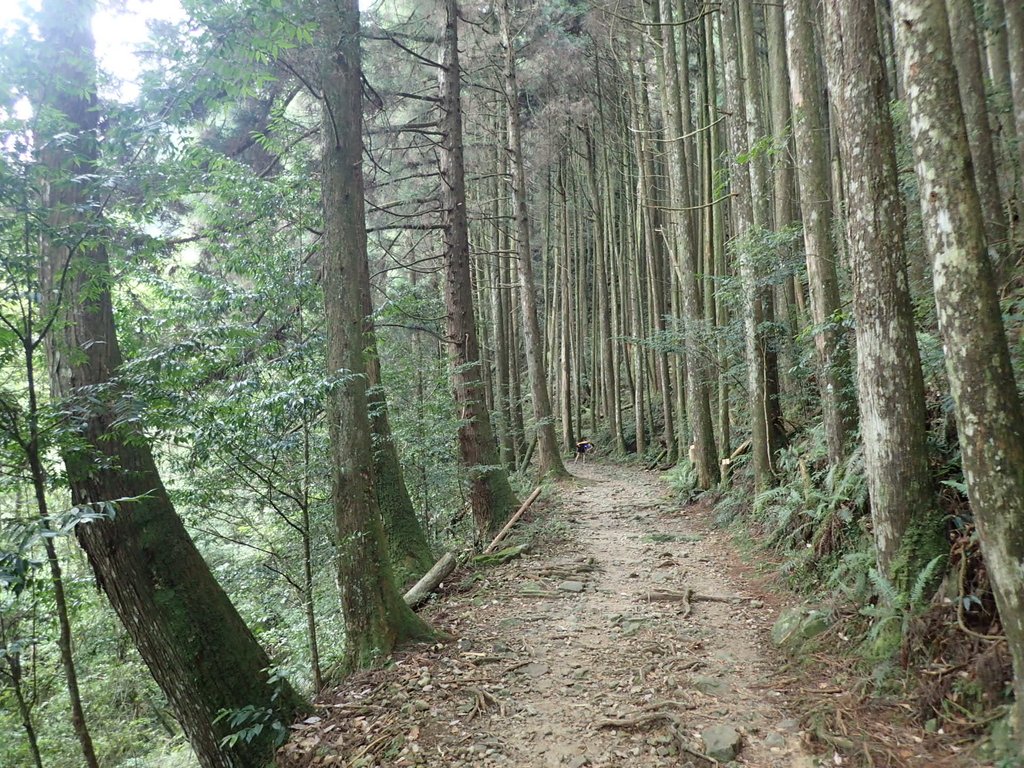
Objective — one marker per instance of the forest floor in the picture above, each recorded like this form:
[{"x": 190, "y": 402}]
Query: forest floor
[{"x": 630, "y": 635}]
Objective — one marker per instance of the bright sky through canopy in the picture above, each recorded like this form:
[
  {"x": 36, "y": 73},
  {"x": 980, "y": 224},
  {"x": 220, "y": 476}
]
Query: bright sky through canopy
[{"x": 120, "y": 27}]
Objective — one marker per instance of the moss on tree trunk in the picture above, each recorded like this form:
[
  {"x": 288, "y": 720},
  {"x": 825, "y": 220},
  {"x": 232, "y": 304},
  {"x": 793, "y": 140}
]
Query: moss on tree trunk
[
  {"x": 193, "y": 640},
  {"x": 376, "y": 617}
]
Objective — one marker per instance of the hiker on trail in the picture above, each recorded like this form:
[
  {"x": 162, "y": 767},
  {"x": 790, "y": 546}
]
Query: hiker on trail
[{"x": 583, "y": 447}]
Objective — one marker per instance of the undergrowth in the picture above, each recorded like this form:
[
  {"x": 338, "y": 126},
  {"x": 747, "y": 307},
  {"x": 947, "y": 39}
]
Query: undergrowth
[{"x": 931, "y": 643}]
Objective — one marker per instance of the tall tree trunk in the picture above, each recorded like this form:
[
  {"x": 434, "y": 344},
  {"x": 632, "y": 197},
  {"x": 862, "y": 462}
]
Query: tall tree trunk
[
  {"x": 743, "y": 224},
  {"x": 408, "y": 549},
  {"x": 988, "y": 407},
  {"x": 831, "y": 353},
  {"x": 907, "y": 530},
  {"x": 515, "y": 360},
  {"x": 686, "y": 261},
  {"x": 1014, "y": 10},
  {"x": 565, "y": 312},
  {"x": 189, "y": 634},
  {"x": 717, "y": 237},
  {"x": 971, "y": 79},
  {"x": 654, "y": 251},
  {"x": 376, "y": 617},
  {"x": 499, "y": 317},
  {"x": 783, "y": 177},
  {"x": 491, "y": 497},
  {"x": 602, "y": 348},
  {"x": 547, "y": 444},
  {"x": 1001, "y": 94},
  {"x": 761, "y": 196}
]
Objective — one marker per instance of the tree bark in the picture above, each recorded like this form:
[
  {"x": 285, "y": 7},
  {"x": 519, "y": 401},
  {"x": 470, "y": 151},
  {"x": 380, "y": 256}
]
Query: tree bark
[
  {"x": 547, "y": 444},
  {"x": 1001, "y": 94},
  {"x": 907, "y": 530},
  {"x": 565, "y": 311},
  {"x": 743, "y": 224},
  {"x": 499, "y": 316},
  {"x": 189, "y": 634},
  {"x": 408, "y": 549},
  {"x": 831, "y": 353},
  {"x": 1014, "y": 10},
  {"x": 971, "y": 79},
  {"x": 376, "y": 617},
  {"x": 491, "y": 497},
  {"x": 686, "y": 262},
  {"x": 988, "y": 407},
  {"x": 717, "y": 236},
  {"x": 761, "y": 199},
  {"x": 783, "y": 176}
]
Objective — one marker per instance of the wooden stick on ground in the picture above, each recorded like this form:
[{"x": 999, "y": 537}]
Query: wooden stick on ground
[
  {"x": 512, "y": 521},
  {"x": 422, "y": 589},
  {"x": 654, "y": 463}
]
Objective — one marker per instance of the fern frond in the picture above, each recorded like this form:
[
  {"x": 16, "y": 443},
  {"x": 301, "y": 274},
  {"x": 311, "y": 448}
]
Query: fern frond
[
  {"x": 924, "y": 579},
  {"x": 885, "y": 588}
]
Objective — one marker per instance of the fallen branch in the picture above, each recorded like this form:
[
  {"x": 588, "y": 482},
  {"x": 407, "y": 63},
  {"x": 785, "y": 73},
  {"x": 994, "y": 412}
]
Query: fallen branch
[
  {"x": 423, "y": 588},
  {"x": 639, "y": 720},
  {"x": 654, "y": 463},
  {"x": 514, "y": 519},
  {"x": 742, "y": 448},
  {"x": 668, "y": 596}
]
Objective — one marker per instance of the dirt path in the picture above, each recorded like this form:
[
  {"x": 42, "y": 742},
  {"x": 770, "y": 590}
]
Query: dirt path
[{"x": 552, "y": 650}]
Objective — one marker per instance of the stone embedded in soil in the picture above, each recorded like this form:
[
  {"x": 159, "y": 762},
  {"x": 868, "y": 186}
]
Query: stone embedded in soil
[
  {"x": 535, "y": 669},
  {"x": 721, "y": 742},
  {"x": 796, "y": 625},
  {"x": 775, "y": 741},
  {"x": 711, "y": 686},
  {"x": 571, "y": 586}
]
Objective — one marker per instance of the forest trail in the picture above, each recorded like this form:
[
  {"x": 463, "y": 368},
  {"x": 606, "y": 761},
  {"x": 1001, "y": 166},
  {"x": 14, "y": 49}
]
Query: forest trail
[{"x": 550, "y": 649}]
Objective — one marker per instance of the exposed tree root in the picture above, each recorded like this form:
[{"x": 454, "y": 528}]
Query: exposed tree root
[
  {"x": 565, "y": 570},
  {"x": 482, "y": 701},
  {"x": 688, "y": 597},
  {"x": 655, "y": 713}
]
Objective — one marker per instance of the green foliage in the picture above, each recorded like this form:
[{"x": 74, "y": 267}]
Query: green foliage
[
  {"x": 812, "y": 508},
  {"x": 891, "y": 614},
  {"x": 682, "y": 478},
  {"x": 815, "y": 518},
  {"x": 423, "y": 420},
  {"x": 249, "y": 723}
]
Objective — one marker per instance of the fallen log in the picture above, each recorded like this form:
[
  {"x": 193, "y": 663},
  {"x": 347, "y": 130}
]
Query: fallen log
[
  {"x": 726, "y": 464},
  {"x": 512, "y": 521},
  {"x": 528, "y": 456},
  {"x": 423, "y": 588},
  {"x": 654, "y": 464}
]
